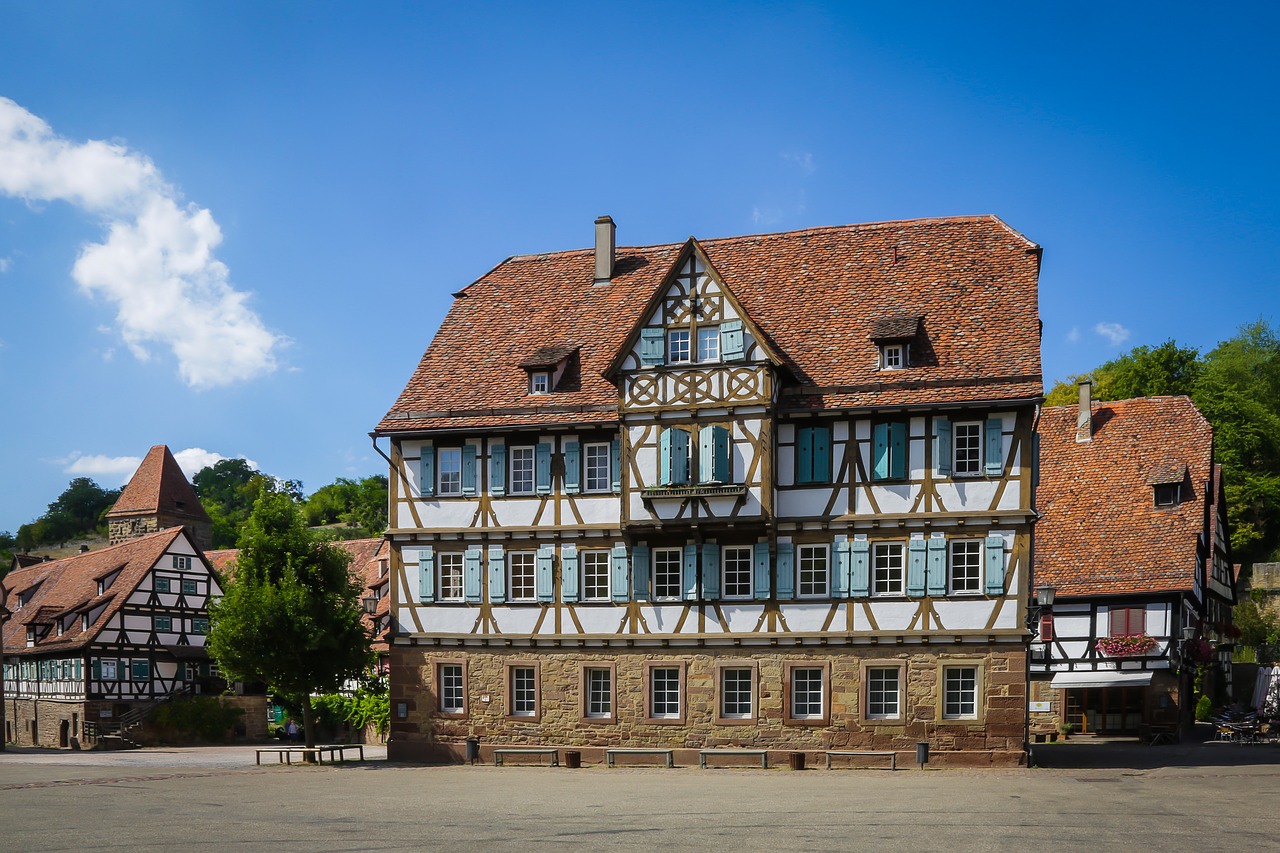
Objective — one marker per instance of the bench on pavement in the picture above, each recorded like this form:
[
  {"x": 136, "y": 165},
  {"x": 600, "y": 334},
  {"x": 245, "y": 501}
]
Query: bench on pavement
[
  {"x": 704, "y": 754},
  {"x": 611, "y": 754},
  {"x": 284, "y": 754},
  {"x": 499, "y": 754},
  {"x": 892, "y": 756}
]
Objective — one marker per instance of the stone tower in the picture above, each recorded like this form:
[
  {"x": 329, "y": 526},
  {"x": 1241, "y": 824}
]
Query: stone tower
[{"x": 159, "y": 496}]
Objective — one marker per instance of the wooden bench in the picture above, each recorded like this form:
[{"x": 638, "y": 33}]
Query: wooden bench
[
  {"x": 892, "y": 756},
  {"x": 611, "y": 754},
  {"x": 284, "y": 754},
  {"x": 499, "y": 754},
  {"x": 704, "y": 754}
]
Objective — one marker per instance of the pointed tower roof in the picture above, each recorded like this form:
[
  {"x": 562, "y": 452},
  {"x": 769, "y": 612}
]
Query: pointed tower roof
[{"x": 159, "y": 486}]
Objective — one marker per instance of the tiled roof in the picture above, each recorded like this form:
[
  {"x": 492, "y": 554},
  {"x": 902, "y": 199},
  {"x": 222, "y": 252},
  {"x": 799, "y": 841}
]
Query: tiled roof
[
  {"x": 895, "y": 328},
  {"x": 548, "y": 356},
  {"x": 1100, "y": 531},
  {"x": 814, "y": 294},
  {"x": 221, "y": 559},
  {"x": 159, "y": 486},
  {"x": 70, "y": 584}
]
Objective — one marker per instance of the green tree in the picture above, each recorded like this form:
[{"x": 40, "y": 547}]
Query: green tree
[
  {"x": 228, "y": 490},
  {"x": 1142, "y": 372},
  {"x": 291, "y": 615},
  {"x": 83, "y": 503},
  {"x": 362, "y": 506}
]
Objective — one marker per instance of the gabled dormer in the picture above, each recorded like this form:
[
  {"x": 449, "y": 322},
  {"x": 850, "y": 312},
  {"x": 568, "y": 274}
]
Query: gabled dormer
[
  {"x": 551, "y": 368},
  {"x": 895, "y": 337},
  {"x": 1166, "y": 479}
]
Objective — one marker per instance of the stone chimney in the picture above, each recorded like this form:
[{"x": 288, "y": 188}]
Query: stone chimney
[
  {"x": 606, "y": 248},
  {"x": 1084, "y": 418}
]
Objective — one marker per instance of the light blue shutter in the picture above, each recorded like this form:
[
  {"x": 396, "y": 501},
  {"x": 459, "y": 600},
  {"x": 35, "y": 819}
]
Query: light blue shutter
[
  {"x": 840, "y": 576},
  {"x": 652, "y": 345},
  {"x": 615, "y": 448},
  {"x": 544, "y": 578},
  {"x": 427, "y": 472},
  {"x": 468, "y": 469},
  {"x": 690, "y": 572},
  {"x": 995, "y": 565},
  {"x": 897, "y": 451},
  {"x": 664, "y": 456},
  {"x": 426, "y": 574},
  {"x": 916, "y": 550},
  {"x": 618, "y": 566},
  {"x": 498, "y": 469},
  {"x": 710, "y": 570},
  {"x": 786, "y": 570},
  {"x": 995, "y": 447},
  {"x": 880, "y": 452},
  {"x": 542, "y": 468},
  {"x": 471, "y": 574},
  {"x": 942, "y": 447},
  {"x": 859, "y": 568},
  {"x": 497, "y": 575},
  {"x": 804, "y": 455},
  {"x": 572, "y": 468},
  {"x": 937, "y": 566},
  {"x": 821, "y": 469},
  {"x": 569, "y": 573},
  {"x": 679, "y": 456},
  {"x": 639, "y": 573},
  {"x": 762, "y": 570},
  {"x": 731, "y": 348}
]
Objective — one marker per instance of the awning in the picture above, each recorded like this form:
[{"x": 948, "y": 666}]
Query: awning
[{"x": 1101, "y": 678}]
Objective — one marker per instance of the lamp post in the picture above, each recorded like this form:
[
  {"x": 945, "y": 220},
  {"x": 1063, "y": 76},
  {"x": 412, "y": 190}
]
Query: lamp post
[
  {"x": 1044, "y": 596},
  {"x": 1186, "y": 680}
]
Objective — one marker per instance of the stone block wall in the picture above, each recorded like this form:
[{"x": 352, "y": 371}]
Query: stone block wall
[{"x": 39, "y": 722}]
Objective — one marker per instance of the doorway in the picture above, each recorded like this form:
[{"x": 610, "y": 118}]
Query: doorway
[
  {"x": 64, "y": 734},
  {"x": 1106, "y": 710}
]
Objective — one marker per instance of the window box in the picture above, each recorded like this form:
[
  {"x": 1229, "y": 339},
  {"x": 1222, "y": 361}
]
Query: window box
[
  {"x": 1127, "y": 646},
  {"x": 713, "y": 491}
]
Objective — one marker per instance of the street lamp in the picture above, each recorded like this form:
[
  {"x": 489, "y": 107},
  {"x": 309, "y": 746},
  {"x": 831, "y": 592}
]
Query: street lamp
[{"x": 370, "y": 604}]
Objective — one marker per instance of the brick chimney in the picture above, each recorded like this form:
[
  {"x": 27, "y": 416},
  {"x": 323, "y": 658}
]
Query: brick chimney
[
  {"x": 1084, "y": 418},
  {"x": 606, "y": 248}
]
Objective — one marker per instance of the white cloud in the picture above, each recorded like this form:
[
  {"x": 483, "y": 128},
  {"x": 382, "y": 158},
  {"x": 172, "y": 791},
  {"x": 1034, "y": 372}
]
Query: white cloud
[
  {"x": 1073, "y": 336},
  {"x": 803, "y": 159},
  {"x": 1113, "y": 332},
  {"x": 156, "y": 265},
  {"x": 765, "y": 216},
  {"x": 193, "y": 459},
  {"x": 6, "y": 264},
  {"x": 118, "y": 469}
]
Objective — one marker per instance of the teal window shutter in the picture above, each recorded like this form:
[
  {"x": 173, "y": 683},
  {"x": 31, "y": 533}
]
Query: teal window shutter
[
  {"x": 897, "y": 451},
  {"x": 572, "y": 468},
  {"x": 615, "y": 447},
  {"x": 762, "y": 570},
  {"x": 721, "y": 471},
  {"x": 652, "y": 345},
  {"x": 840, "y": 573},
  {"x": 468, "y": 469},
  {"x": 618, "y": 558},
  {"x": 542, "y": 468},
  {"x": 639, "y": 573},
  {"x": 664, "y": 456},
  {"x": 690, "y": 572},
  {"x": 731, "y": 343},
  {"x": 545, "y": 575},
  {"x": 497, "y": 575},
  {"x": 880, "y": 452},
  {"x": 471, "y": 574},
  {"x": 916, "y": 551},
  {"x": 498, "y": 469},
  {"x": 426, "y": 574},
  {"x": 710, "y": 570},
  {"x": 427, "y": 472},
  {"x": 569, "y": 573},
  {"x": 141, "y": 670},
  {"x": 937, "y": 566},
  {"x": 786, "y": 570},
  {"x": 96, "y": 668},
  {"x": 995, "y": 565},
  {"x": 804, "y": 455},
  {"x": 821, "y": 468},
  {"x": 942, "y": 447},
  {"x": 995, "y": 447},
  {"x": 859, "y": 568},
  {"x": 679, "y": 456}
]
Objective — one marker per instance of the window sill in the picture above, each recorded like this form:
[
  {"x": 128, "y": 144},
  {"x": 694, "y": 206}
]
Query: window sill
[{"x": 660, "y": 492}]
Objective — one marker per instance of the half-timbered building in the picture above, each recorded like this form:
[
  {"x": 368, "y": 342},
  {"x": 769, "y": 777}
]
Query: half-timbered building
[
  {"x": 769, "y": 491},
  {"x": 1133, "y": 540}
]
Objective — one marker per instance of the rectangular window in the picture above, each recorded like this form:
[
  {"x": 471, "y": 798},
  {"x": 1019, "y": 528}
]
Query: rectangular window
[
  {"x": 524, "y": 691},
  {"x": 966, "y": 567},
  {"x": 883, "y": 693},
  {"x": 522, "y": 467},
  {"x": 599, "y": 693},
  {"x": 966, "y": 444},
  {"x": 539, "y": 382},
  {"x": 709, "y": 344},
  {"x": 886, "y": 576},
  {"x": 449, "y": 470},
  {"x": 893, "y": 356},
  {"x": 664, "y": 692},
  {"x": 181, "y": 563},
  {"x": 189, "y": 587},
  {"x": 451, "y": 576},
  {"x": 162, "y": 584},
  {"x": 736, "y": 689},
  {"x": 666, "y": 573},
  {"x": 595, "y": 576},
  {"x": 737, "y": 565},
  {"x": 678, "y": 346},
  {"x": 522, "y": 583},
  {"x": 108, "y": 670},
  {"x": 200, "y": 626},
  {"x": 807, "y": 692},
  {"x": 1126, "y": 621},
  {"x": 598, "y": 473},
  {"x": 162, "y": 623},
  {"x": 1167, "y": 494},
  {"x": 815, "y": 574},
  {"x": 960, "y": 693},
  {"x": 452, "y": 694}
]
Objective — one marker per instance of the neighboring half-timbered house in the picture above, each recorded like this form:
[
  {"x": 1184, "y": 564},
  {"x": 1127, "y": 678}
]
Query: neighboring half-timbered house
[
  {"x": 770, "y": 491},
  {"x": 1133, "y": 539}
]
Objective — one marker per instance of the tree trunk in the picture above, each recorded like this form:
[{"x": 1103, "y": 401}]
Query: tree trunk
[{"x": 308, "y": 727}]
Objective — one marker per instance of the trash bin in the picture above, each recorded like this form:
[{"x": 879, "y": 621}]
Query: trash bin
[
  {"x": 473, "y": 750},
  {"x": 922, "y": 753},
  {"x": 797, "y": 760},
  {"x": 572, "y": 759}
]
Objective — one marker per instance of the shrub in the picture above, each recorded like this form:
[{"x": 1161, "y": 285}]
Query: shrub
[
  {"x": 202, "y": 717},
  {"x": 1204, "y": 708}
]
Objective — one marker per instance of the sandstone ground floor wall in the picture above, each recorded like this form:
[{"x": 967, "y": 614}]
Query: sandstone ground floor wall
[
  {"x": 858, "y": 711},
  {"x": 43, "y": 722}
]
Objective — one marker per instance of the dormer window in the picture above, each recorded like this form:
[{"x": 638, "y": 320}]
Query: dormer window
[
  {"x": 539, "y": 382},
  {"x": 893, "y": 356},
  {"x": 893, "y": 337},
  {"x": 1166, "y": 478},
  {"x": 551, "y": 367},
  {"x": 1167, "y": 494}
]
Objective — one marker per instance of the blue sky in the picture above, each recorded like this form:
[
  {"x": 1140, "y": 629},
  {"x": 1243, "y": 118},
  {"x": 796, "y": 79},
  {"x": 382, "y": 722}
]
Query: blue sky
[{"x": 232, "y": 228}]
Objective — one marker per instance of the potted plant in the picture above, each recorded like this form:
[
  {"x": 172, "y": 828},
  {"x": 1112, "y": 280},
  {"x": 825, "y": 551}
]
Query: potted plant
[
  {"x": 1127, "y": 646},
  {"x": 1066, "y": 729}
]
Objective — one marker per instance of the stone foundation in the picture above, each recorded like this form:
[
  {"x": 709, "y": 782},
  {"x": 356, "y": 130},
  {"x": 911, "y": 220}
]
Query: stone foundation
[{"x": 43, "y": 722}]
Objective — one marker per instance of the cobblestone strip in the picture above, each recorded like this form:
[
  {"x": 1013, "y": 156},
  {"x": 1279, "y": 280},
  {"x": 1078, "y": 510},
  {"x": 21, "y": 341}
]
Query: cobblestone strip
[{"x": 116, "y": 780}]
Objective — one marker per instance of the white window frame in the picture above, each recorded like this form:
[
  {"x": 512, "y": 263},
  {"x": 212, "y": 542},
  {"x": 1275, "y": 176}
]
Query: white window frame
[
  {"x": 742, "y": 559},
  {"x": 893, "y": 356},
  {"x": 596, "y": 574},
  {"x": 670, "y": 687},
  {"x": 200, "y": 626},
  {"x": 737, "y": 700},
  {"x": 524, "y": 691},
  {"x": 109, "y": 669},
  {"x": 678, "y": 344},
  {"x": 957, "y": 692},
  {"x": 1172, "y": 492},
  {"x": 888, "y": 579},
  {"x": 668, "y": 558},
  {"x": 181, "y": 562},
  {"x": 522, "y": 461},
  {"x": 597, "y": 458},
  {"x": 451, "y": 571},
  {"x": 526, "y": 563},
  {"x": 452, "y": 697},
  {"x": 810, "y": 692},
  {"x": 448, "y": 471},
  {"x": 708, "y": 344},
  {"x": 539, "y": 382},
  {"x": 805, "y": 563},
  {"x": 598, "y": 686},
  {"x": 970, "y": 583},
  {"x": 966, "y": 449},
  {"x": 884, "y": 702}
]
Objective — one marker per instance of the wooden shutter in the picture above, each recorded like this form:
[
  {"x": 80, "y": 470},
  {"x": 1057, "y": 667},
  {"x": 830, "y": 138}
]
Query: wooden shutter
[
  {"x": 615, "y": 448},
  {"x": 497, "y": 575},
  {"x": 690, "y": 573},
  {"x": 426, "y": 574},
  {"x": 1137, "y": 620},
  {"x": 96, "y": 669},
  {"x": 916, "y": 550},
  {"x": 468, "y": 469},
  {"x": 762, "y": 570},
  {"x": 880, "y": 452},
  {"x": 1046, "y": 627},
  {"x": 572, "y": 468},
  {"x": 618, "y": 571},
  {"x": 942, "y": 447},
  {"x": 713, "y": 455},
  {"x": 859, "y": 568},
  {"x": 937, "y": 566},
  {"x": 820, "y": 471},
  {"x": 664, "y": 456},
  {"x": 639, "y": 573},
  {"x": 427, "y": 472},
  {"x": 995, "y": 447},
  {"x": 542, "y": 468},
  {"x": 652, "y": 345},
  {"x": 995, "y": 565},
  {"x": 679, "y": 456},
  {"x": 731, "y": 342},
  {"x": 569, "y": 573},
  {"x": 897, "y": 451},
  {"x": 544, "y": 576},
  {"x": 804, "y": 455},
  {"x": 1119, "y": 620},
  {"x": 471, "y": 574},
  {"x": 841, "y": 565},
  {"x": 786, "y": 570},
  {"x": 498, "y": 469},
  {"x": 710, "y": 570}
]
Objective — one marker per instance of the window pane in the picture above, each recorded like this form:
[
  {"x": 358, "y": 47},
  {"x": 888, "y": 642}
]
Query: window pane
[
  {"x": 887, "y": 575},
  {"x": 595, "y": 576},
  {"x": 737, "y": 573},
  {"x": 882, "y": 692},
  {"x": 451, "y": 688},
  {"x": 891, "y": 356},
  {"x": 678, "y": 346},
  {"x": 813, "y": 570},
  {"x": 521, "y": 471},
  {"x": 522, "y": 577},
  {"x": 961, "y": 700},
  {"x": 666, "y": 573},
  {"x": 598, "y": 479},
  {"x": 806, "y": 693},
  {"x": 735, "y": 693},
  {"x": 967, "y": 446},
  {"x": 966, "y": 566},
  {"x": 449, "y": 465},
  {"x": 709, "y": 344},
  {"x": 189, "y": 587},
  {"x": 664, "y": 687},
  {"x": 450, "y": 577},
  {"x": 523, "y": 696},
  {"x": 599, "y": 693}
]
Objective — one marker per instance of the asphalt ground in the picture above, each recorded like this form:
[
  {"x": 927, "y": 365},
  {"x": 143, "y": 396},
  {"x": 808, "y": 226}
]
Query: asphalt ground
[{"x": 1088, "y": 796}]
